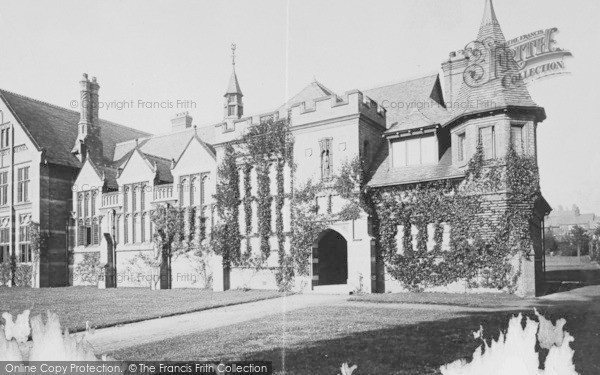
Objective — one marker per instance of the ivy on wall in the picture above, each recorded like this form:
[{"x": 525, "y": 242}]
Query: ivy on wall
[
  {"x": 226, "y": 239},
  {"x": 485, "y": 235},
  {"x": 488, "y": 212}
]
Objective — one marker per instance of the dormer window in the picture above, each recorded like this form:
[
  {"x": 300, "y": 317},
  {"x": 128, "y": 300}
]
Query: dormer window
[{"x": 414, "y": 151}]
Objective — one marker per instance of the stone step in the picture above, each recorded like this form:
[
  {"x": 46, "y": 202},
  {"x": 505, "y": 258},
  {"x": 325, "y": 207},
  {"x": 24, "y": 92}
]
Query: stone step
[{"x": 332, "y": 289}]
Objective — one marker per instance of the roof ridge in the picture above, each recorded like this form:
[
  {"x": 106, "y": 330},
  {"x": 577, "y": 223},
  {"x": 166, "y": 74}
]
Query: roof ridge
[
  {"x": 399, "y": 82},
  {"x": 38, "y": 101},
  {"x": 67, "y": 109},
  {"x": 155, "y": 156}
]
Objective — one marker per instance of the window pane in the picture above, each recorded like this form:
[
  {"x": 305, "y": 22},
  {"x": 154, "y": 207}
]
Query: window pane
[
  {"x": 429, "y": 152},
  {"x": 516, "y": 136},
  {"x": 461, "y": 147},
  {"x": 398, "y": 154},
  {"x": 413, "y": 152},
  {"x": 486, "y": 137}
]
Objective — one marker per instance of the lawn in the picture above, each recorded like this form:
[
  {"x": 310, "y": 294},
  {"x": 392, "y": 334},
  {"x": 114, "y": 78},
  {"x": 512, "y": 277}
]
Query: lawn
[
  {"x": 379, "y": 338},
  {"x": 457, "y": 299},
  {"x": 106, "y": 307}
]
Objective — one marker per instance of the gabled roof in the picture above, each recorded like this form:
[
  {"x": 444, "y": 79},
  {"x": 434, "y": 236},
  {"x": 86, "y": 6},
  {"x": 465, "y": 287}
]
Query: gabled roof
[
  {"x": 54, "y": 128},
  {"x": 386, "y": 174},
  {"x": 309, "y": 93},
  {"x": 161, "y": 166},
  {"x": 411, "y": 104},
  {"x": 169, "y": 145}
]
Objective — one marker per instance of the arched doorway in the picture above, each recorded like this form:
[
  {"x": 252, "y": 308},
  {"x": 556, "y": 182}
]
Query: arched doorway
[{"x": 331, "y": 256}]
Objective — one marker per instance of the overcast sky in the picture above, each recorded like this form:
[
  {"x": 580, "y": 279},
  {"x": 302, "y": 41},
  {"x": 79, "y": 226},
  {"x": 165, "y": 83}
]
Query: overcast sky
[{"x": 167, "y": 51}]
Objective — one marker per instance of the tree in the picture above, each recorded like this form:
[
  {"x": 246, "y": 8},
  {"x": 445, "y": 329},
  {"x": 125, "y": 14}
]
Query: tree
[
  {"x": 168, "y": 224},
  {"x": 550, "y": 242},
  {"x": 38, "y": 242},
  {"x": 579, "y": 240}
]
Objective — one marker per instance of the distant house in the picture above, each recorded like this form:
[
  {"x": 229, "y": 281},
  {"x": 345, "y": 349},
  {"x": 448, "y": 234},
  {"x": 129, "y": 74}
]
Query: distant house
[{"x": 560, "y": 222}]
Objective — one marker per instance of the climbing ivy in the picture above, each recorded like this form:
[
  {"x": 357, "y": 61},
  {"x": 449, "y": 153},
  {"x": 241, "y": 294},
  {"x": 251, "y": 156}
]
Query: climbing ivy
[
  {"x": 485, "y": 237},
  {"x": 226, "y": 237}
]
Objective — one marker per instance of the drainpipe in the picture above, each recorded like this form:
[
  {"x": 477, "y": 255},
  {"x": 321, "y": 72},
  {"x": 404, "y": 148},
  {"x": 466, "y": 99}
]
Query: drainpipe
[{"x": 13, "y": 252}]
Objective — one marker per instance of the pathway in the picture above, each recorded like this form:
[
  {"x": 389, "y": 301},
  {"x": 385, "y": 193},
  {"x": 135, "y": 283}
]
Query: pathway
[{"x": 115, "y": 338}]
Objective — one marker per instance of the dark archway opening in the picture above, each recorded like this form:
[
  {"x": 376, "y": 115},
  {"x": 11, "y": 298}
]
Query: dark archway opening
[{"x": 332, "y": 259}]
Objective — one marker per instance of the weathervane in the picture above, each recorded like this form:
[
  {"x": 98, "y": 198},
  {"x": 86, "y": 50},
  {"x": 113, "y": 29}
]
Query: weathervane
[{"x": 233, "y": 54}]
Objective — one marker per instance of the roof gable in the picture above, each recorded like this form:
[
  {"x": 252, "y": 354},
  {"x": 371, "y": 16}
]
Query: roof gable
[
  {"x": 88, "y": 175},
  {"x": 137, "y": 168},
  {"x": 196, "y": 156},
  {"x": 309, "y": 93}
]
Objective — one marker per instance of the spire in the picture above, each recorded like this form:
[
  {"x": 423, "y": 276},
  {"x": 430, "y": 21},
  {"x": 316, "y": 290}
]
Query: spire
[
  {"x": 234, "y": 85},
  {"x": 495, "y": 84},
  {"x": 234, "y": 107},
  {"x": 490, "y": 27}
]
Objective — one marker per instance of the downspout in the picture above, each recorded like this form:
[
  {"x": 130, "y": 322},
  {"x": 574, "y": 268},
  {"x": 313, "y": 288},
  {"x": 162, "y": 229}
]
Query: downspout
[{"x": 13, "y": 252}]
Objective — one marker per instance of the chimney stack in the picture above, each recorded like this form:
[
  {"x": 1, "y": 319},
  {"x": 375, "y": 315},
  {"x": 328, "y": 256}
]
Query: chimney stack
[
  {"x": 94, "y": 102},
  {"x": 181, "y": 121},
  {"x": 88, "y": 140},
  {"x": 453, "y": 69}
]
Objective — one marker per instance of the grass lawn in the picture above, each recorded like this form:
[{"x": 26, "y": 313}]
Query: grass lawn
[
  {"x": 458, "y": 299},
  {"x": 379, "y": 338},
  {"x": 105, "y": 307}
]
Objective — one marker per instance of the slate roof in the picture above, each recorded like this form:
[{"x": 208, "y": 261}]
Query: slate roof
[
  {"x": 386, "y": 174},
  {"x": 163, "y": 167},
  {"x": 411, "y": 104},
  {"x": 54, "y": 128},
  {"x": 108, "y": 173}
]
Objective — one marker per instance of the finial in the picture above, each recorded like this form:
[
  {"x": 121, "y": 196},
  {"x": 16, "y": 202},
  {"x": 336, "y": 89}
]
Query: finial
[
  {"x": 233, "y": 54},
  {"x": 195, "y": 130},
  {"x": 103, "y": 175},
  {"x": 155, "y": 166},
  {"x": 136, "y": 143},
  {"x": 172, "y": 163}
]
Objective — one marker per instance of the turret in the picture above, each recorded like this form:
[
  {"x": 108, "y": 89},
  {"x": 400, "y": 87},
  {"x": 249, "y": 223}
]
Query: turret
[{"x": 234, "y": 107}]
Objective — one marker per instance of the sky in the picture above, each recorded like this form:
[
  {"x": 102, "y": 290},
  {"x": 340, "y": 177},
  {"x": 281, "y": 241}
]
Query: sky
[{"x": 174, "y": 56}]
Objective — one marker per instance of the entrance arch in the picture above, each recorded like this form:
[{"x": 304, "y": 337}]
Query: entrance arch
[{"x": 330, "y": 259}]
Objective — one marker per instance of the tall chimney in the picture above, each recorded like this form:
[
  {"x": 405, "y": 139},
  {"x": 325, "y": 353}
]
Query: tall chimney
[
  {"x": 88, "y": 129},
  {"x": 94, "y": 102},
  {"x": 181, "y": 121},
  {"x": 86, "y": 115},
  {"x": 453, "y": 69}
]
